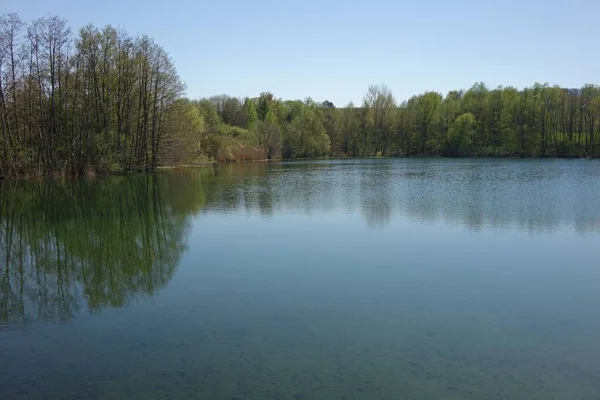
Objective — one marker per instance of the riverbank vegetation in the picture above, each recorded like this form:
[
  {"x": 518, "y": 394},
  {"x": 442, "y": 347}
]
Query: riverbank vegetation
[{"x": 102, "y": 101}]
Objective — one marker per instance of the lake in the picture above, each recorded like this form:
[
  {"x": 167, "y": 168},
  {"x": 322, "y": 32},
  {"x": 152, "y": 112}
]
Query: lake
[{"x": 333, "y": 279}]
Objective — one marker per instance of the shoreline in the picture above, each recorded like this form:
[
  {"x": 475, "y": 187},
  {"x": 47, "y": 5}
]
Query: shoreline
[{"x": 34, "y": 177}]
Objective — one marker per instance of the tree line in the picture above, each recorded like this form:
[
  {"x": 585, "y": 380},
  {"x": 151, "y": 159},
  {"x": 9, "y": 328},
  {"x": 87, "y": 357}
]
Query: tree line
[
  {"x": 539, "y": 121},
  {"x": 104, "y": 101},
  {"x": 72, "y": 104}
]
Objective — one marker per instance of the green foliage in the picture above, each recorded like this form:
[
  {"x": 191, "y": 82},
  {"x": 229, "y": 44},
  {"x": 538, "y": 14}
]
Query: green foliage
[
  {"x": 264, "y": 105},
  {"x": 229, "y": 149},
  {"x": 251, "y": 115},
  {"x": 209, "y": 113},
  {"x": 241, "y": 134},
  {"x": 380, "y": 110},
  {"x": 461, "y": 134},
  {"x": 269, "y": 135},
  {"x": 305, "y": 136},
  {"x": 112, "y": 103},
  {"x": 230, "y": 110},
  {"x": 186, "y": 139},
  {"x": 95, "y": 101}
]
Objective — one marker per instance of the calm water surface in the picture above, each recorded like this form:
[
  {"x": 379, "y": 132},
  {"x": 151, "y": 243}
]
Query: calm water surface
[{"x": 353, "y": 279}]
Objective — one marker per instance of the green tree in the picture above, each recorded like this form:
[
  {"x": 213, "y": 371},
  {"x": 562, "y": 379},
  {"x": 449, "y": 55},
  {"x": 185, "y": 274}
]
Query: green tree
[
  {"x": 380, "y": 107},
  {"x": 250, "y": 114},
  {"x": 460, "y": 135},
  {"x": 270, "y": 135},
  {"x": 185, "y": 138}
]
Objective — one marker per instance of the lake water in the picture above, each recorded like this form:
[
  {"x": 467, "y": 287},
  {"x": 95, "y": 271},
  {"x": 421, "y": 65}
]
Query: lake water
[{"x": 336, "y": 279}]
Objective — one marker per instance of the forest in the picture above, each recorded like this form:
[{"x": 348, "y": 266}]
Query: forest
[{"x": 103, "y": 101}]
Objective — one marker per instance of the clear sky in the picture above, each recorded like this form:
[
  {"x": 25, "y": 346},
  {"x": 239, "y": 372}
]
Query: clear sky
[{"x": 335, "y": 49}]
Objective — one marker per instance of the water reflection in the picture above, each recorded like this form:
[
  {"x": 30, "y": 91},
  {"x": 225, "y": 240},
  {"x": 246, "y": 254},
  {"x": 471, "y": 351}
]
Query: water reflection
[
  {"x": 74, "y": 246},
  {"x": 538, "y": 196},
  {"x": 94, "y": 244},
  {"x": 318, "y": 280},
  {"x": 375, "y": 195}
]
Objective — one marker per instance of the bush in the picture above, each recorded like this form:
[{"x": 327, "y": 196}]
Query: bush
[{"x": 229, "y": 149}]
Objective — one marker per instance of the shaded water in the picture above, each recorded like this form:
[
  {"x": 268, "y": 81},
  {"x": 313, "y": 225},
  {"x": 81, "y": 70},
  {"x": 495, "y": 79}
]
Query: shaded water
[{"x": 353, "y": 279}]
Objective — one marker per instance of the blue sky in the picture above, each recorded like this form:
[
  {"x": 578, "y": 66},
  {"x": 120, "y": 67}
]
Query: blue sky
[{"x": 335, "y": 49}]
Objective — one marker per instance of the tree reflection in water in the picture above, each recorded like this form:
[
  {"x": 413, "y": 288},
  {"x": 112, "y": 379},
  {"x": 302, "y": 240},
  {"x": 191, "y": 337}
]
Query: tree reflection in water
[{"x": 98, "y": 242}]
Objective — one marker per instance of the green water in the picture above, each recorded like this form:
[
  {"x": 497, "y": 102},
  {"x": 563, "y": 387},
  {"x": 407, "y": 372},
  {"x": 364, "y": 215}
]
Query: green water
[{"x": 353, "y": 279}]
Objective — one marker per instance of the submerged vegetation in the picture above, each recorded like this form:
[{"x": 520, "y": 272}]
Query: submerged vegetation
[{"x": 104, "y": 101}]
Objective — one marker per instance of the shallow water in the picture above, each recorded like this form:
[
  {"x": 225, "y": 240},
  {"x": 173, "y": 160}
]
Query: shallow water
[{"x": 338, "y": 279}]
